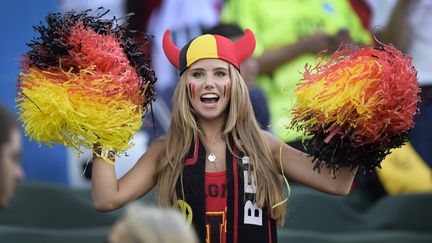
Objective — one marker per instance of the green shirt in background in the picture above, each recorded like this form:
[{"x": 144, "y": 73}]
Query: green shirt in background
[{"x": 277, "y": 23}]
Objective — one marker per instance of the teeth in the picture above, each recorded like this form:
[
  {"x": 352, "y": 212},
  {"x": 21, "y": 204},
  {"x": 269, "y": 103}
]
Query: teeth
[{"x": 210, "y": 96}]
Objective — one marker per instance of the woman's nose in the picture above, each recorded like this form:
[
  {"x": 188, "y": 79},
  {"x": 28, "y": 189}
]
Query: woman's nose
[{"x": 209, "y": 84}]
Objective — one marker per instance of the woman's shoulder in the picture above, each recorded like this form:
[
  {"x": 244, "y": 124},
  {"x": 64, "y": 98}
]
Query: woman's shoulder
[
  {"x": 269, "y": 137},
  {"x": 157, "y": 146},
  {"x": 271, "y": 140}
]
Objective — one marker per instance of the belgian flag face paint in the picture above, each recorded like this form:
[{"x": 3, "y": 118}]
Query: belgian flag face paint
[
  {"x": 192, "y": 90},
  {"x": 227, "y": 89}
]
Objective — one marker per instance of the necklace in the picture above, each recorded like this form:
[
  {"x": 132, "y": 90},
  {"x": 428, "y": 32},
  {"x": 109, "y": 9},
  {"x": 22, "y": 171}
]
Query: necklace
[{"x": 212, "y": 158}]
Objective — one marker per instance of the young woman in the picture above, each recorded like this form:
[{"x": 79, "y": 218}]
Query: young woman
[{"x": 215, "y": 163}]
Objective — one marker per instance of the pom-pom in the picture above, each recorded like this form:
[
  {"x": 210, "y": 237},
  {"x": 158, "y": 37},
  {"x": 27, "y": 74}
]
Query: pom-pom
[
  {"x": 357, "y": 106},
  {"x": 85, "y": 81}
]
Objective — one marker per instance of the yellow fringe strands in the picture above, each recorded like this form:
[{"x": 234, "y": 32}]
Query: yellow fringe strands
[
  {"x": 357, "y": 106},
  {"x": 84, "y": 82}
]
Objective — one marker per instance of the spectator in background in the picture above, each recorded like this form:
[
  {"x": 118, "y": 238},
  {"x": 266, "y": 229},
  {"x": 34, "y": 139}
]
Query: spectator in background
[
  {"x": 10, "y": 156},
  {"x": 289, "y": 35},
  {"x": 248, "y": 70},
  {"x": 142, "y": 224}
]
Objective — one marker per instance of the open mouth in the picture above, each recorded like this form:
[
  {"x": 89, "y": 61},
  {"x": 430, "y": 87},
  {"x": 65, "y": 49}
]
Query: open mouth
[{"x": 209, "y": 98}]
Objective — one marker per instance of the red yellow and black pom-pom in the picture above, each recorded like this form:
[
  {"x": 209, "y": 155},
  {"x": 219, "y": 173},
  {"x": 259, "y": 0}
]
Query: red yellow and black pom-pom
[
  {"x": 357, "y": 106},
  {"x": 85, "y": 81}
]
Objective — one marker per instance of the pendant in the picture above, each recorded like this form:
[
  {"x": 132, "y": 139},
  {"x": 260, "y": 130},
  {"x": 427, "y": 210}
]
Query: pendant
[{"x": 212, "y": 157}]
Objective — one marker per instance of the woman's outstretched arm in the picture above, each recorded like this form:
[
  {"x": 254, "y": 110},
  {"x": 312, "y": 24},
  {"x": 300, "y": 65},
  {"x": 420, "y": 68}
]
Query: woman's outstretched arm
[
  {"x": 109, "y": 193},
  {"x": 299, "y": 167}
]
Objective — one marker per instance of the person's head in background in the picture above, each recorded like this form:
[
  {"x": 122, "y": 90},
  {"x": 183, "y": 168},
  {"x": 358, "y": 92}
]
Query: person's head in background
[
  {"x": 145, "y": 224},
  {"x": 249, "y": 68},
  {"x": 10, "y": 156}
]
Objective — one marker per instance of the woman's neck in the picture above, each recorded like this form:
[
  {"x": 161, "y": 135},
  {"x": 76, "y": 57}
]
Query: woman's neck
[{"x": 212, "y": 129}]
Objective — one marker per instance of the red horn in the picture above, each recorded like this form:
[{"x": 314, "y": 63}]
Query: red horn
[
  {"x": 245, "y": 46},
  {"x": 171, "y": 50}
]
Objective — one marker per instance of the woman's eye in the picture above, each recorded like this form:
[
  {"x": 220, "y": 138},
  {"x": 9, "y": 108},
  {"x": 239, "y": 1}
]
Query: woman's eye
[
  {"x": 197, "y": 74},
  {"x": 220, "y": 74}
]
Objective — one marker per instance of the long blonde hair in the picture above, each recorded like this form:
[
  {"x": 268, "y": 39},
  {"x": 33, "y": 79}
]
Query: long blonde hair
[{"x": 247, "y": 136}]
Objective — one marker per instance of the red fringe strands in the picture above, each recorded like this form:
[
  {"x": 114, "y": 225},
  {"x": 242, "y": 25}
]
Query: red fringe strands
[
  {"x": 357, "y": 106},
  {"x": 84, "y": 82}
]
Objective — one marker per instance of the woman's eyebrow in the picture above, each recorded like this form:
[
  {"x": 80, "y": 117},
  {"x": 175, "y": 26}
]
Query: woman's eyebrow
[
  {"x": 220, "y": 68},
  {"x": 214, "y": 69},
  {"x": 197, "y": 69}
]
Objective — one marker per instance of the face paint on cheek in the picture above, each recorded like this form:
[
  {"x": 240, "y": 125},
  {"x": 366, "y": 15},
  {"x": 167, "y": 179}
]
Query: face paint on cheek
[
  {"x": 192, "y": 90},
  {"x": 226, "y": 89}
]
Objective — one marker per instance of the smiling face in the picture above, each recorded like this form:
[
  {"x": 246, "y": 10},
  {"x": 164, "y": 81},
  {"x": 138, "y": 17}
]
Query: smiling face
[{"x": 209, "y": 83}]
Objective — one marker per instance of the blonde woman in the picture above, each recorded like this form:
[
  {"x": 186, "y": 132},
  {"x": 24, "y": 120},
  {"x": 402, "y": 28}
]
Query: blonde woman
[
  {"x": 142, "y": 224},
  {"x": 215, "y": 164}
]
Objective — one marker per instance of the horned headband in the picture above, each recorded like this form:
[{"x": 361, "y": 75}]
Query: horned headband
[{"x": 209, "y": 46}]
